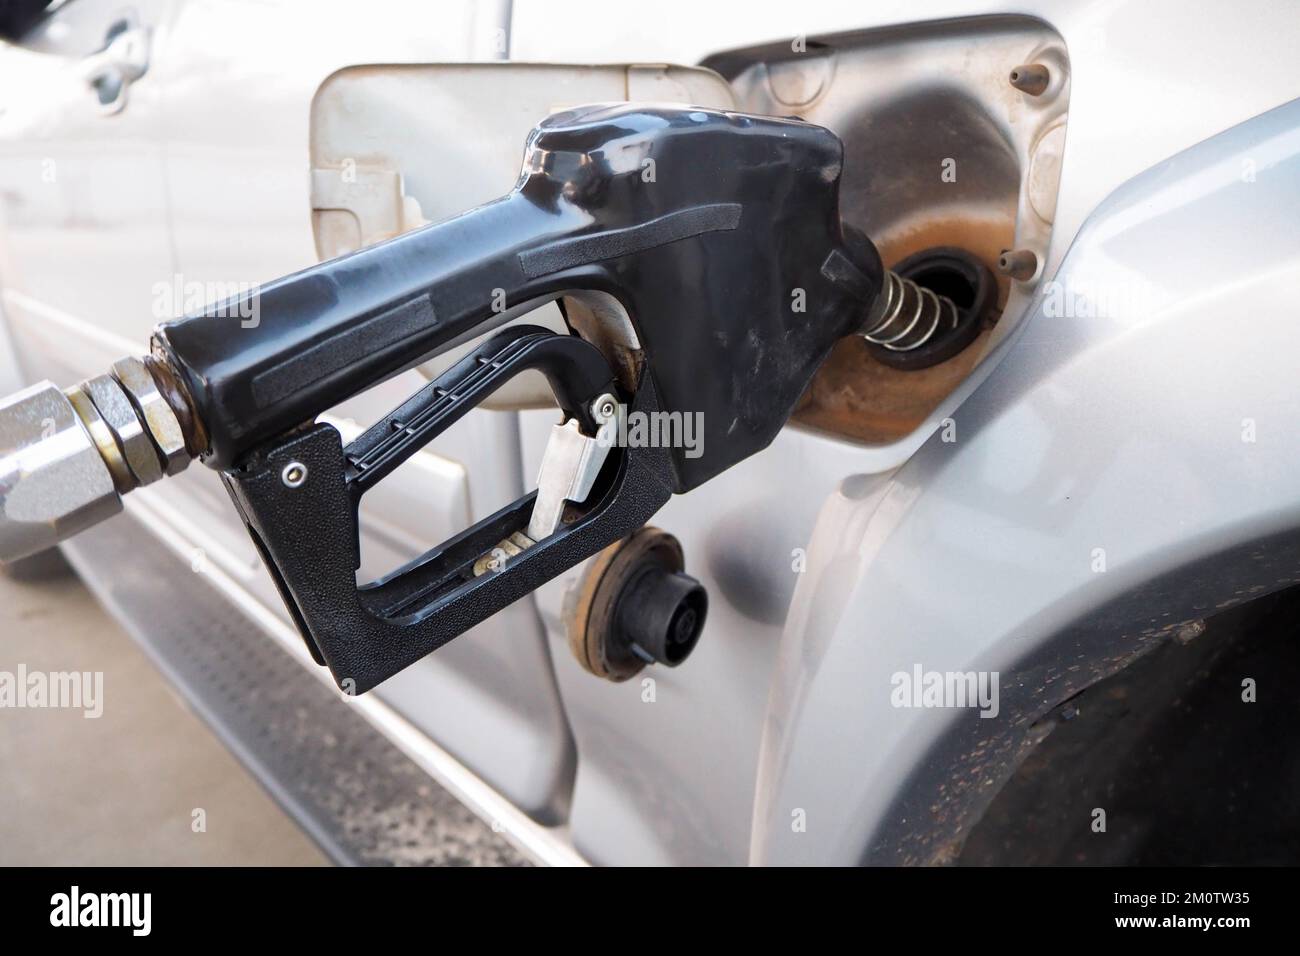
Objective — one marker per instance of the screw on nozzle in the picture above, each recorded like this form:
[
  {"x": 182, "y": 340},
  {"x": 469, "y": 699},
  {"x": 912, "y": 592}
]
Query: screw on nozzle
[{"x": 67, "y": 456}]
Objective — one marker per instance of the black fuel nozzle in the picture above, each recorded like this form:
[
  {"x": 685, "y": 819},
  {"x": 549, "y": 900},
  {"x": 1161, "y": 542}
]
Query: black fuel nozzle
[
  {"x": 718, "y": 234},
  {"x": 715, "y": 235}
]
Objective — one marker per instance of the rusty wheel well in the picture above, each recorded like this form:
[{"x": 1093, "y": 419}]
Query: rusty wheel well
[{"x": 1186, "y": 770}]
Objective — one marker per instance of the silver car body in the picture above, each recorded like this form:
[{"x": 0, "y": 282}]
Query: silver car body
[{"x": 1104, "y": 475}]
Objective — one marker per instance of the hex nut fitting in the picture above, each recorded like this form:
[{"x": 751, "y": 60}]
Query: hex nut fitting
[
  {"x": 159, "y": 421},
  {"x": 137, "y": 447},
  {"x": 102, "y": 437}
]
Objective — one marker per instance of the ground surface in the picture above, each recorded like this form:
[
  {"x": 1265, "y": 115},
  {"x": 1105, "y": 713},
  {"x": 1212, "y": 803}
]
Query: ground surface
[{"x": 122, "y": 788}]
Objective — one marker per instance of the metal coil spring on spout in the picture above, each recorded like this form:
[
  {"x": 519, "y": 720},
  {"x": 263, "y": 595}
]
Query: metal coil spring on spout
[{"x": 905, "y": 315}]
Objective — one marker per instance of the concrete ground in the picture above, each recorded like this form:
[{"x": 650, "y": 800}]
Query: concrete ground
[{"x": 122, "y": 788}]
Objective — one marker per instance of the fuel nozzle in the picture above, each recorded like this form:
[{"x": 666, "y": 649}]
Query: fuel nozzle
[
  {"x": 731, "y": 348},
  {"x": 68, "y": 455}
]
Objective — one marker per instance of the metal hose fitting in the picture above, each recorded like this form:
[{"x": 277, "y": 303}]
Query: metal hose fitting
[{"x": 67, "y": 456}]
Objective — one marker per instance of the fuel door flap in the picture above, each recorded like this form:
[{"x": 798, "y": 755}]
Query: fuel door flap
[{"x": 376, "y": 174}]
